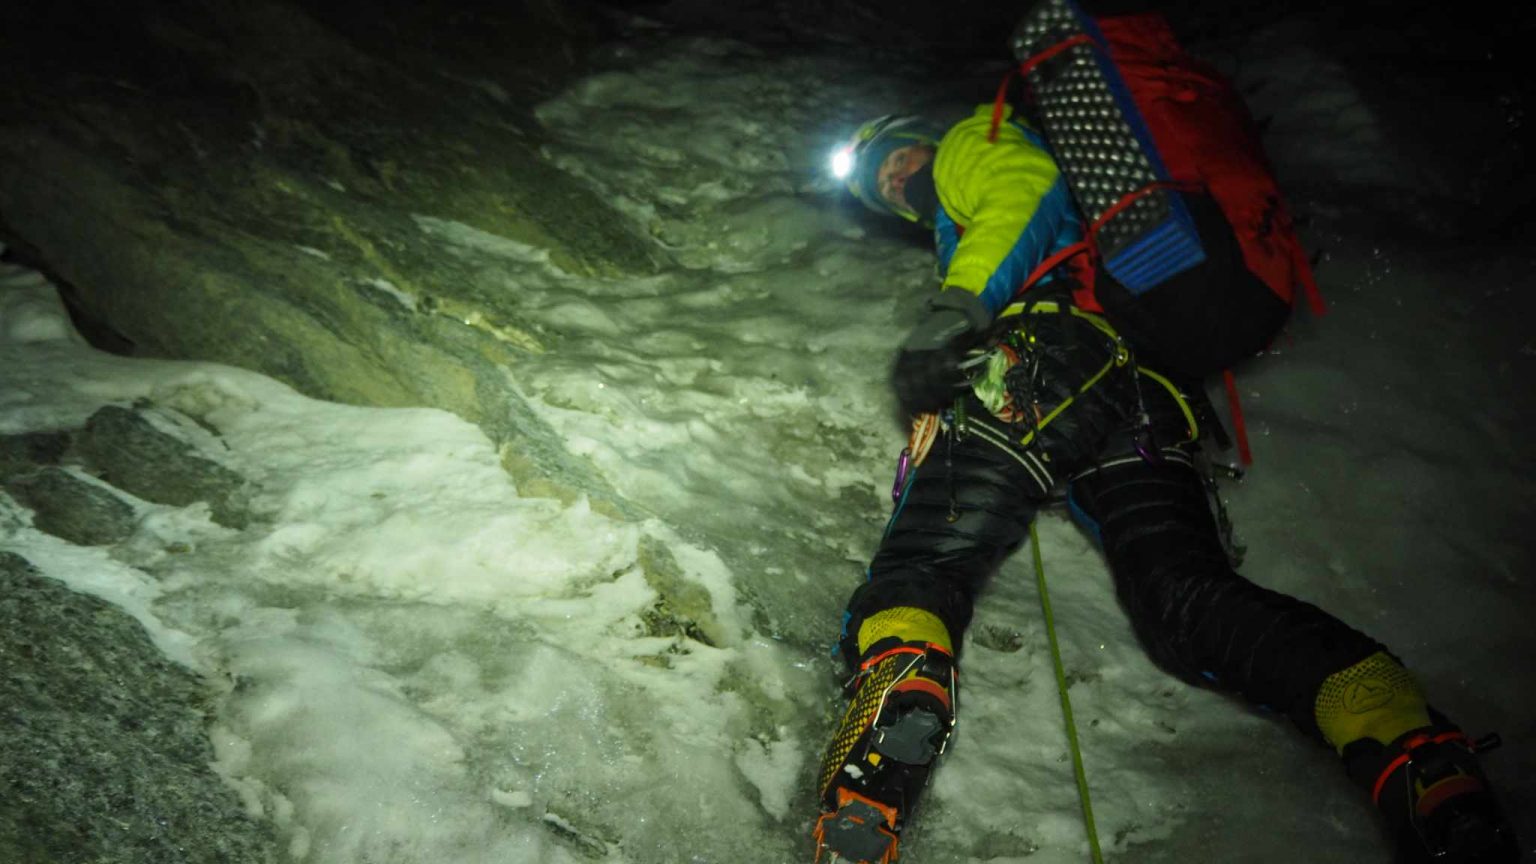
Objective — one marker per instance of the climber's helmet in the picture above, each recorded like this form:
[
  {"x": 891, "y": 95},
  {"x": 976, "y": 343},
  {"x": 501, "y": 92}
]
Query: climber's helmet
[{"x": 876, "y": 162}]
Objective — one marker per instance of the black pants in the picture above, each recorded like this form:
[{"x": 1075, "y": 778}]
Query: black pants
[{"x": 969, "y": 504}]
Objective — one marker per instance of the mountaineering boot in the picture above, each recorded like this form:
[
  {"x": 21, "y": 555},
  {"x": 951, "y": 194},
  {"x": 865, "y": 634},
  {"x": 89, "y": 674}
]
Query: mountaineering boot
[
  {"x": 899, "y": 717},
  {"x": 1431, "y": 791},
  {"x": 898, "y": 720},
  {"x": 1421, "y": 771}
]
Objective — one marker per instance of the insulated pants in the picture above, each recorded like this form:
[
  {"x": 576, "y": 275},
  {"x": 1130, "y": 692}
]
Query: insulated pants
[{"x": 970, "y": 503}]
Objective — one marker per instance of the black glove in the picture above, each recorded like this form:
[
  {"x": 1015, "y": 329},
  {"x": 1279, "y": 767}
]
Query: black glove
[{"x": 928, "y": 371}]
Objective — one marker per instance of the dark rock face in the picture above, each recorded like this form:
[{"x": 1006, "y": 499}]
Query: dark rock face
[
  {"x": 72, "y": 508},
  {"x": 70, "y": 481},
  {"x": 247, "y": 183},
  {"x": 134, "y": 455},
  {"x": 103, "y": 755},
  {"x": 23, "y": 453}
]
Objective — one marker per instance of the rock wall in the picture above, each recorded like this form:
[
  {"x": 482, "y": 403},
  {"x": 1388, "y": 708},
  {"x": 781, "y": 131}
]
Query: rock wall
[
  {"x": 246, "y": 183},
  {"x": 104, "y": 753}
]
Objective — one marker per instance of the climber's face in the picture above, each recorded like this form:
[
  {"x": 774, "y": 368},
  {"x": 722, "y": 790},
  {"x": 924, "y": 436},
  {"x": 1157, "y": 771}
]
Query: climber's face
[{"x": 900, "y": 164}]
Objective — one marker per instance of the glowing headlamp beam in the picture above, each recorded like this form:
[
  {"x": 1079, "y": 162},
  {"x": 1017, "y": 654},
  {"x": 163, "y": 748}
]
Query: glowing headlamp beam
[{"x": 842, "y": 162}]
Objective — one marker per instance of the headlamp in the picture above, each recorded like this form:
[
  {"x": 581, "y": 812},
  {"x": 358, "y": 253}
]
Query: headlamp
[{"x": 842, "y": 161}]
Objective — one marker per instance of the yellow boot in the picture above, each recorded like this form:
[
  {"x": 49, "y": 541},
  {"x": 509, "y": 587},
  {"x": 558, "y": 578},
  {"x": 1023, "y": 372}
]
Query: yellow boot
[
  {"x": 1376, "y": 698},
  {"x": 898, "y": 720},
  {"x": 1420, "y": 771}
]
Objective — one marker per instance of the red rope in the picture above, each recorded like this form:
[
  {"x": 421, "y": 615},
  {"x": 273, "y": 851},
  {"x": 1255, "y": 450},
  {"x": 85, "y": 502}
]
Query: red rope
[
  {"x": 1307, "y": 280},
  {"x": 1239, "y": 426},
  {"x": 1024, "y": 69},
  {"x": 1029, "y": 65},
  {"x": 1132, "y": 197},
  {"x": 998, "y": 105},
  {"x": 1053, "y": 262},
  {"x": 1090, "y": 244}
]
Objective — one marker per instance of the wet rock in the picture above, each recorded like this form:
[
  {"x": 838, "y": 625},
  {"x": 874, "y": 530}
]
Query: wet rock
[
  {"x": 72, "y": 508},
  {"x": 683, "y": 607},
  {"x": 21, "y": 454},
  {"x": 134, "y": 454},
  {"x": 105, "y": 754},
  {"x": 298, "y": 216}
]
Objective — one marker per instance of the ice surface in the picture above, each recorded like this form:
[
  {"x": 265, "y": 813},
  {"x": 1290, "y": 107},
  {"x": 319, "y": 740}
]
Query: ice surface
[{"x": 419, "y": 664}]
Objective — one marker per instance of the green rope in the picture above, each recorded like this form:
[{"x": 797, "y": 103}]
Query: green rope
[{"x": 1066, "y": 701}]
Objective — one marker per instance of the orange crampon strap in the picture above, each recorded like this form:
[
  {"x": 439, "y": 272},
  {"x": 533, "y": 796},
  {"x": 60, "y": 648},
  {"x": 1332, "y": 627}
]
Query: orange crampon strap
[
  {"x": 917, "y": 683},
  {"x": 904, "y": 648},
  {"x": 1407, "y": 756}
]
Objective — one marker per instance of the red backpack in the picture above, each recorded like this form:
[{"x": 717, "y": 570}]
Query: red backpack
[{"x": 1193, "y": 253}]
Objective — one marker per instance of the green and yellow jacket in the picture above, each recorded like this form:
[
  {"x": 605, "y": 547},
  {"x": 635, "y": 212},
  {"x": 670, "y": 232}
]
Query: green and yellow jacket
[{"x": 1003, "y": 207}]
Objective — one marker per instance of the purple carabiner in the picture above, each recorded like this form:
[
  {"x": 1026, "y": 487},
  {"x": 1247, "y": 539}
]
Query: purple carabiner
[
  {"x": 1146, "y": 445},
  {"x": 903, "y": 467}
]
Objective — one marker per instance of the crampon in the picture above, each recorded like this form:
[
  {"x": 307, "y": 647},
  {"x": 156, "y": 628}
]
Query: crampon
[
  {"x": 897, "y": 724},
  {"x": 1435, "y": 798}
]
